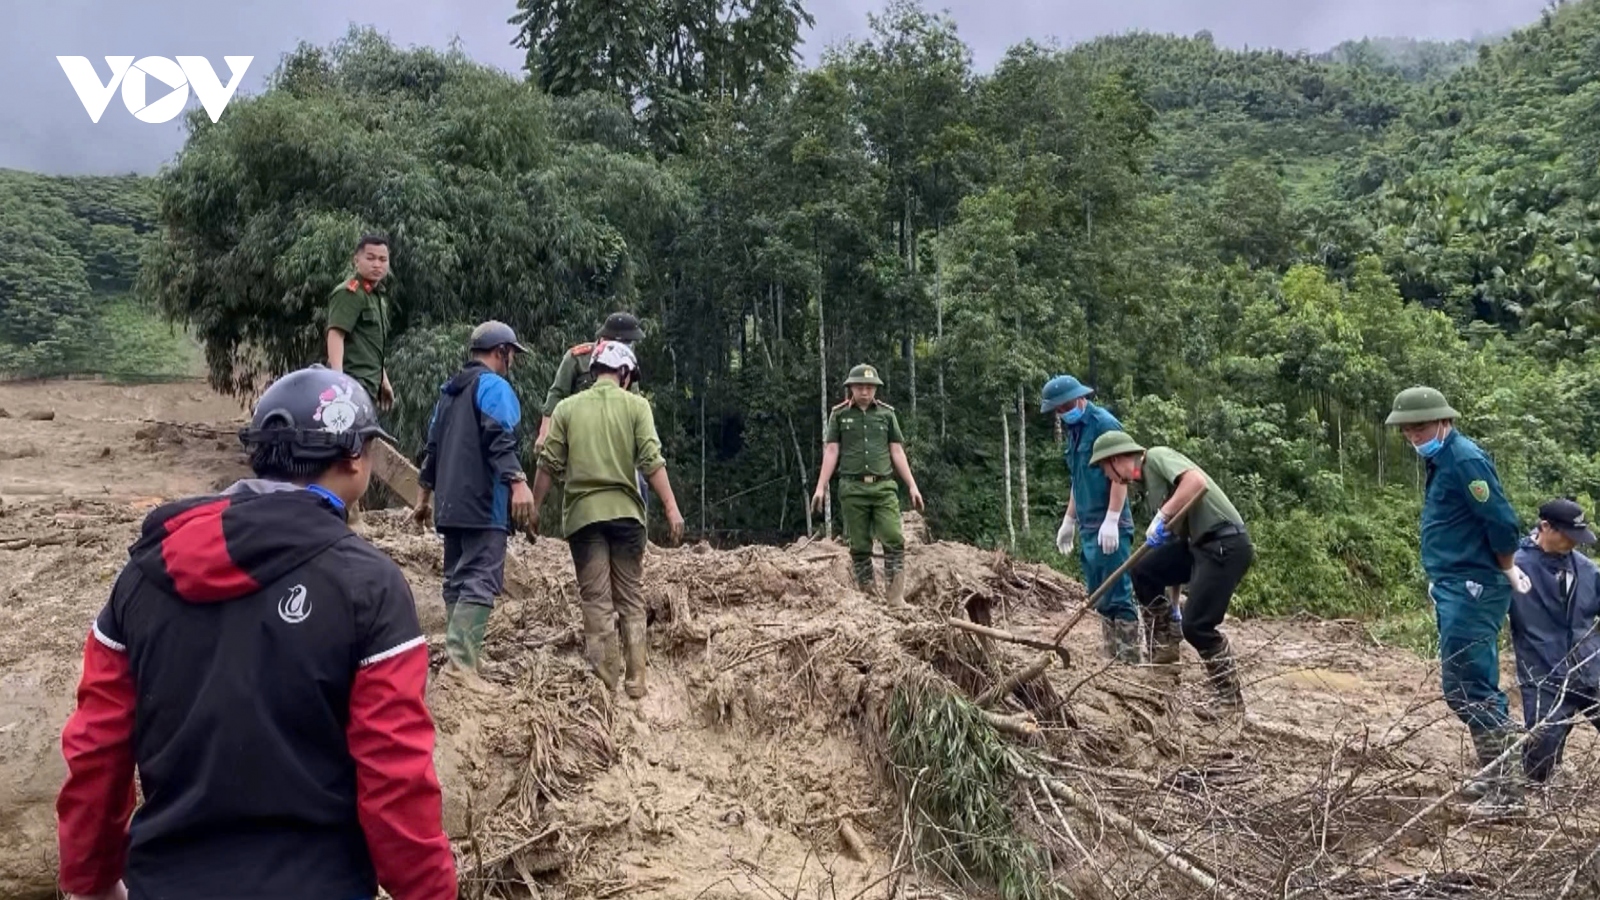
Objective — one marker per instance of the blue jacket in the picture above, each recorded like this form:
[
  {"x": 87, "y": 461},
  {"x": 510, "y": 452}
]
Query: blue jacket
[
  {"x": 1466, "y": 519},
  {"x": 1551, "y": 632},
  {"x": 1091, "y": 490},
  {"x": 471, "y": 458}
]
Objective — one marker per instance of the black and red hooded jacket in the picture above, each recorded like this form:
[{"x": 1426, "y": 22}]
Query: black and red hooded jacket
[{"x": 262, "y": 668}]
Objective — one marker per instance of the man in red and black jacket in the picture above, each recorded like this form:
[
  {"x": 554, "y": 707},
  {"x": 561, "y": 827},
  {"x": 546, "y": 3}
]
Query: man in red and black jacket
[{"x": 262, "y": 668}]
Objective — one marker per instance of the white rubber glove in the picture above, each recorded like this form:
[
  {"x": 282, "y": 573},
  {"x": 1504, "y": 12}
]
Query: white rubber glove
[
  {"x": 1520, "y": 582},
  {"x": 1155, "y": 525},
  {"x": 1067, "y": 534},
  {"x": 1110, "y": 534}
]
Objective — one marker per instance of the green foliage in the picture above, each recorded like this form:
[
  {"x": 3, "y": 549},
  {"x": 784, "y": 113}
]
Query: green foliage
[
  {"x": 955, "y": 773},
  {"x": 491, "y": 213},
  {"x": 663, "y": 59},
  {"x": 67, "y": 245},
  {"x": 1247, "y": 253}
]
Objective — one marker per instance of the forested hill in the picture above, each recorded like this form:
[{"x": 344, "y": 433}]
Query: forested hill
[
  {"x": 69, "y": 255},
  {"x": 1248, "y": 253}
]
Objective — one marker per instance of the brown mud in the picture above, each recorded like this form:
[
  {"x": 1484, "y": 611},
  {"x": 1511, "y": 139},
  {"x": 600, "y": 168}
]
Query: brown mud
[{"x": 759, "y": 765}]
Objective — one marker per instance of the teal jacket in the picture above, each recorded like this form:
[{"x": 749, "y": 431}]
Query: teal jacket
[
  {"x": 1466, "y": 518},
  {"x": 1091, "y": 490}
]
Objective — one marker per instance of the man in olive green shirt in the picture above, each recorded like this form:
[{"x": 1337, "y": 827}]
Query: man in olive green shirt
[
  {"x": 1209, "y": 550},
  {"x": 573, "y": 373},
  {"x": 863, "y": 441},
  {"x": 598, "y": 439},
  {"x": 358, "y": 322}
]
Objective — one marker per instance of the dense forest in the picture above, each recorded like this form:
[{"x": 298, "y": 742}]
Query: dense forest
[
  {"x": 1248, "y": 253},
  {"x": 69, "y": 257}
]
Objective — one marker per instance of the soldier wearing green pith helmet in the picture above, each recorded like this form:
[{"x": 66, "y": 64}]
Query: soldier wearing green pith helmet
[
  {"x": 863, "y": 441},
  {"x": 1469, "y": 535}
]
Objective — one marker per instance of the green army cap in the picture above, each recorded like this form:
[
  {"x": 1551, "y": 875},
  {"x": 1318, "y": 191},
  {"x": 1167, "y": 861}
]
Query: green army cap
[
  {"x": 864, "y": 374},
  {"x": 1110, "y": 444},
  {"x": 1420, "y": 404}
]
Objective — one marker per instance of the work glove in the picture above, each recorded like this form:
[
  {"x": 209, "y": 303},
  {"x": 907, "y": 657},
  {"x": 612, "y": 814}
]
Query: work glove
[
  {"x": 1110, "y": 534},
  {"x": 1066, "y": 534},
  {"x": 1520, "y": 582},
  {"x": 1157, "y": 533}
]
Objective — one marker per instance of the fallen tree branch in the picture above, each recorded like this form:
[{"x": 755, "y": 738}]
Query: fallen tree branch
[
  {"x": 1005, "y": 686},
  {"x": 1166, "y": 854},
  {"x": 1023, "y": 724}
]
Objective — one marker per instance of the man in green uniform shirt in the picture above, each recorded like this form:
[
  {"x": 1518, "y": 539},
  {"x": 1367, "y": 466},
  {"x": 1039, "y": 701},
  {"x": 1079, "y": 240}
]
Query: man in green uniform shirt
[
  {"x": 573, "y": 374},
  {"x": 598, "y": 440},
  {"x": 1209, "y": 550},
  {"x": 358, "y": 322},
  {"x": 863, "y": 441}
]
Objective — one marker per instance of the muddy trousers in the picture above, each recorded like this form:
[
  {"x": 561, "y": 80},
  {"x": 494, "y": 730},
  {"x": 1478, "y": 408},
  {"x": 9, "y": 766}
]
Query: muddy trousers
[
  {"x": 1117, "y": 603},
  {"x": 1212, "y": 568},
  {"x": 1469, "y": 616},
  {"x": 872, "y": 511},
  {"x": 609, "y": 560},
  {"x": 1550, "y": 715},
  {"x": 474, "y": 565}
]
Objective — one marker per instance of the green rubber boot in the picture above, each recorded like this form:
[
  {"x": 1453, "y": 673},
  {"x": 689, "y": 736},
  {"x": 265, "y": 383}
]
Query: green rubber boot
[{"x": 463, "y": 643}]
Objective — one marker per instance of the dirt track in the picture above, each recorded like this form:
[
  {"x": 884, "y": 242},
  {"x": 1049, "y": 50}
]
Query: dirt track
[{"x": 767, "y": 671}]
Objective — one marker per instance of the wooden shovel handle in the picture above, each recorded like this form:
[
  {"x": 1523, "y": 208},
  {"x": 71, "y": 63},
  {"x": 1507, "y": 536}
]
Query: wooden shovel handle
[{"x": 1111, "y": 579}]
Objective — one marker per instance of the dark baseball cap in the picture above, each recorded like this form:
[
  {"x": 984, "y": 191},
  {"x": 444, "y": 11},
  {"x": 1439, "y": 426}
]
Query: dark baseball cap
[{"x": 1566, "y": 517}]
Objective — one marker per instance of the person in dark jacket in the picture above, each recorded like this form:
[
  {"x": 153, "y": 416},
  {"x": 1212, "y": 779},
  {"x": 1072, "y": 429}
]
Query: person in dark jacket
[
  {"x": 1554, "y": 633},
  {"x": 262, "y": 669},
  {"x": 474, "y": 489}
]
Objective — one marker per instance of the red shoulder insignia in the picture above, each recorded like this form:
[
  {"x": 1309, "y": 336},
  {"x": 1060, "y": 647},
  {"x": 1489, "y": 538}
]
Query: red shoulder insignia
[
  {"x": 581, "y": 349},
  {"x": 352, "y": 285},
  {"x": 884, "y": 405},
  {"x": 842, "y": 403}
]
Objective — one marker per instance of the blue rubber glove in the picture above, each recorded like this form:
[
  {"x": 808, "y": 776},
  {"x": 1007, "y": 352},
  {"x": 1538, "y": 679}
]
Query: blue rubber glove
[{"x": 1157, "y": 533}]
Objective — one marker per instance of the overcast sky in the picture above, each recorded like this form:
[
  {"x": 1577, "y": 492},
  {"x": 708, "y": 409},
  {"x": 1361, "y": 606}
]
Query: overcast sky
[{"x": 44, "y": 127}]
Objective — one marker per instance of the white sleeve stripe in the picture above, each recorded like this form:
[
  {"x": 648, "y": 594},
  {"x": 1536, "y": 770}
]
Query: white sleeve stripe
[
  {"x": 101, "y": 637},
  {"x": 394, "y": 651}
]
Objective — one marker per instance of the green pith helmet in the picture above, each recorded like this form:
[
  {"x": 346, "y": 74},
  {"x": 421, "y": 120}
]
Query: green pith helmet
[
  {"x": 1112, "y": 443},
  {"x": 864, "y": 374},
  {"x": 1420, "y": 404}
]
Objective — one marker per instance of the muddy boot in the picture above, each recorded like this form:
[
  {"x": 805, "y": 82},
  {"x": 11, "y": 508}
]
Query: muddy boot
[
  {"x": 866, "y": 579},
  {"x": 897, "y": 591},
  {"x": 1499, "y": 791},
  {"x": 601, "y": 652},
  {"x": 1486, "y": 749},
  {"x": 634, "y": 643},
  {"x": 463, "y": 642},
  {"x": 1121, "y": 639},
  {"x": 1222, "y": 672},
  {"x": 1164, "y": 633}
]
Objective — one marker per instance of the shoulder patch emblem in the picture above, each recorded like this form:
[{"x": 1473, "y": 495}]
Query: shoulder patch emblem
[
  {"x": 352, "y": 285},
  {"x": 884, "y": 405},
  {"x": 581, "y": 349},
  {"x": 1480, "y": 490},
  {"x": 842, "y": 403}
]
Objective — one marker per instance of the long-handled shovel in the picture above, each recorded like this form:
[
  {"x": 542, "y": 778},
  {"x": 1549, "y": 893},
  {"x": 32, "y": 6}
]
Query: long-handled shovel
[{"x": 1121, "y": 570}]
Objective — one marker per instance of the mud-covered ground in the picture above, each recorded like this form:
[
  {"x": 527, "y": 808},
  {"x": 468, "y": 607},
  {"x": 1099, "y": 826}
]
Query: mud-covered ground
[{"x": 763, "y": 728}]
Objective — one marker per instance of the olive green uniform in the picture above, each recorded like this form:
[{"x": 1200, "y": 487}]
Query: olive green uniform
[
  {"x": 868, "y": 495},
  {"x": 572, "y": 376},
  {"x": 361, "y": 311}
]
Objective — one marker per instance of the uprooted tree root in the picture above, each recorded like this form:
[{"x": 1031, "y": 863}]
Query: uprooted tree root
[{"x": 977, "y": 764}]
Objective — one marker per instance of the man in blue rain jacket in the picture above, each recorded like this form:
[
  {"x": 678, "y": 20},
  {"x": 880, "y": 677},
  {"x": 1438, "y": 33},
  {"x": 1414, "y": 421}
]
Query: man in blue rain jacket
[{"x": 472, "y": 476}]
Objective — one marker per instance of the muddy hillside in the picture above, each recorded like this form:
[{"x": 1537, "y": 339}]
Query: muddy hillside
[{"x": 800, "y": 742}]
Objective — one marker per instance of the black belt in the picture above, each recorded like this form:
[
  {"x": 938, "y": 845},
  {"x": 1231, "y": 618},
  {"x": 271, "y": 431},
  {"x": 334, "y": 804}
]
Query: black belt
[
  {"x": 868, "y": 479},
  {"x": 1220, "y": 532}
]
